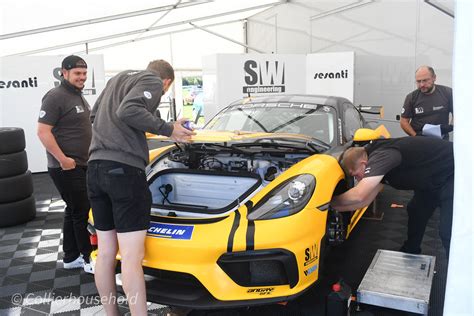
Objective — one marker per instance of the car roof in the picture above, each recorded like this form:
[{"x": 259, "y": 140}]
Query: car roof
[{"x": 296, "y": 98}]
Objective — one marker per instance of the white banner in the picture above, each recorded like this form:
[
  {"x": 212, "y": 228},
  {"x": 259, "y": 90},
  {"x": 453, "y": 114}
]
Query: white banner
[
  {"x": 24, "y": 80},
  {"x": 230, "y": 77},
  {"x": 330, "y": 74}
]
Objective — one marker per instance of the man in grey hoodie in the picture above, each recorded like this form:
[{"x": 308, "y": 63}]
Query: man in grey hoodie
[{"x": 116, "y": 179}]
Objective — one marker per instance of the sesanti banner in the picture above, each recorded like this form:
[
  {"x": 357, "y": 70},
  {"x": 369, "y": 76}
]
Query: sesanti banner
[{"x": 330, "y": 74}]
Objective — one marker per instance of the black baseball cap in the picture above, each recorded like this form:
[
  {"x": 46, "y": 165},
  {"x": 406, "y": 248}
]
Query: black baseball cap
[{"x": 73, "y": 61}]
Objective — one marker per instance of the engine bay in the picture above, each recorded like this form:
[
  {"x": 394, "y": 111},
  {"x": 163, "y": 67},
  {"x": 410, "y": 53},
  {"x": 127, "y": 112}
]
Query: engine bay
[{"x": 268, "y": 165}]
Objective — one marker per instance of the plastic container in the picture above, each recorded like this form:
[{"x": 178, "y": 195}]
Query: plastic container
[
  {"x": 189, "y": 125},
  {"x": 339, "y": 300}
]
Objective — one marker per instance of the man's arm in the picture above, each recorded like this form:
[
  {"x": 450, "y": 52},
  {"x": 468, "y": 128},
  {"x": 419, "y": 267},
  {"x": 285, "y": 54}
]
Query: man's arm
[
  {"x": 359, "y": 196},
  {"x": 49, "y": 142},
  {"x": 405, "y": 125}
]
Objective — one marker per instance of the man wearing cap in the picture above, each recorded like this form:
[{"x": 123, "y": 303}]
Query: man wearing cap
[{"x": 65, "y": 129}]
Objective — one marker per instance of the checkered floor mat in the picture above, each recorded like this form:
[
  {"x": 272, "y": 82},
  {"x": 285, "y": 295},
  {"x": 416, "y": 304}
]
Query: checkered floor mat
[
  {"x": 33, "y": 281},
  {"x": 32, "y": 278}
]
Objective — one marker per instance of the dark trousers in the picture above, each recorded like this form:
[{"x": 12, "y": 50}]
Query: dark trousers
[
  {"x": 71, "y": 184},
  {"x": 421, "y": 207}
]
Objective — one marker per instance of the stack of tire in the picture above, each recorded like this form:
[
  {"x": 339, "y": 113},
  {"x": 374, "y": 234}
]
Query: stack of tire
[{"x": 17, "y": 204}]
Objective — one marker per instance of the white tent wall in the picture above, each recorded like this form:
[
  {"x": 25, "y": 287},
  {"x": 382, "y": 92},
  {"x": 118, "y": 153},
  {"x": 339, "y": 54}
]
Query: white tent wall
[
  {"x": 459, "y": 300},
  {"x": 390, "y": 38}
]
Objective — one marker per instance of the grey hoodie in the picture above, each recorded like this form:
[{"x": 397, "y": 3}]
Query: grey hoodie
[{"x": 121, "y": 116}]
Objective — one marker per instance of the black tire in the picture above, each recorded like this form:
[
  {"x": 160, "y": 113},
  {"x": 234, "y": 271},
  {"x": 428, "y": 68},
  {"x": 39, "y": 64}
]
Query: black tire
[
  {"x": 12, "y": 140},
  {"x": 16, "y": 188},
  {"x": 17, "y": 212},
  {"x": 13, "y": 164}
]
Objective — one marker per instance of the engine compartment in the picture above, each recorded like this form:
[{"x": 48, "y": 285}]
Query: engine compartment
[
  {"x": 267, "y": 165},
  {"x": 196, "y": 179}
]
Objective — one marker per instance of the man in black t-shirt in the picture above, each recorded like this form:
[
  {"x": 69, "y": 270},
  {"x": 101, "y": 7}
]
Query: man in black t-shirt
[
  {"x": 422, "y": 164},
  {"x": 65, "y": 129},
  {"x": 430, "y": 103}
]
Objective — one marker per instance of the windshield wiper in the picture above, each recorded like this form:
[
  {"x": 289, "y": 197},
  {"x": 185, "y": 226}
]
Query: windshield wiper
[
  {"x": 319, "y": 143},
  {"x": 214, "y": 146},
  {"x": 289, "y": 143},
  {"x": 290, "y": 122},
  {"x": 253, "y": 119}
]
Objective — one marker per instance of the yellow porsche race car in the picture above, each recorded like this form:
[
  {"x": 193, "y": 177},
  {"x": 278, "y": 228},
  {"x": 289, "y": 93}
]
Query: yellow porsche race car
[{"x": 241, "y": 215}]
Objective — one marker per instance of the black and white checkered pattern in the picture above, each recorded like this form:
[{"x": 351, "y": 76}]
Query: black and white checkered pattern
[{"x": 33, "y": 281}]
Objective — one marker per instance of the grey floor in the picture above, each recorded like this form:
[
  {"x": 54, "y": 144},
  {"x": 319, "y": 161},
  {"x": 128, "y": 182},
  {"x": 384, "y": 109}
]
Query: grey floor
[{"x": 33, "y": 282}]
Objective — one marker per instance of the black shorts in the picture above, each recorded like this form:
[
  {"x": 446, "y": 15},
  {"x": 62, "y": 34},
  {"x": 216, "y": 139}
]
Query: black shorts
[{"x": 119, "y": 196}]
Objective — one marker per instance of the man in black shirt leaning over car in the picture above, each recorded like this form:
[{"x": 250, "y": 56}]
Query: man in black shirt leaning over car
[{"x": 422, "y": 164}]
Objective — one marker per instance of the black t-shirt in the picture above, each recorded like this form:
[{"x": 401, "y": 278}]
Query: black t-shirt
[
  {"x": 68, "y": 112},
  {"x": 431, "y": 108},
  {"x": 411, "y": 163}
]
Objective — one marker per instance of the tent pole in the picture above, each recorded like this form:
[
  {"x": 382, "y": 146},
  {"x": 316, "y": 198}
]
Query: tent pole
[
  {"x": 103, "y": 38},
  {"x": 226, "y": 38},
  {"x": 100, "y": 20}
]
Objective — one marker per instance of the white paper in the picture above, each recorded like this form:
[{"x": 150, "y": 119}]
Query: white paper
[{"x": 432, "y": 130}]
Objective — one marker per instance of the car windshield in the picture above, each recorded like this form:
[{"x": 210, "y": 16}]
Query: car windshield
[{"x": 316, "y": 121}]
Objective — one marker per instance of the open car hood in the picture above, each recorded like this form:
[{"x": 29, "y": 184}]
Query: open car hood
[
  {"x": 242, "y": 138},
  {"x": 210, "y": 136}
]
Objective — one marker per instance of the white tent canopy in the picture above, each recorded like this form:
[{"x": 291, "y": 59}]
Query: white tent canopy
[{"x": 128, "y": 34}]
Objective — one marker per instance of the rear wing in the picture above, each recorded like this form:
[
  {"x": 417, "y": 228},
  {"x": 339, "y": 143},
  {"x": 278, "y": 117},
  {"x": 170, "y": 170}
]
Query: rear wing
[{"x": 371, "y": 109}]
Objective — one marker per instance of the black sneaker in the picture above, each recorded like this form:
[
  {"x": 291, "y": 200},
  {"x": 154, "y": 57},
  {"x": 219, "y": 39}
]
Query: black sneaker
[{"x": 413, "y": 251}]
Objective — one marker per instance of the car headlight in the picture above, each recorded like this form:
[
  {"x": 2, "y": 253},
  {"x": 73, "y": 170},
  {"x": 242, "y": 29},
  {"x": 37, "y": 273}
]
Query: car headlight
[{"x": 286, "y": 199}]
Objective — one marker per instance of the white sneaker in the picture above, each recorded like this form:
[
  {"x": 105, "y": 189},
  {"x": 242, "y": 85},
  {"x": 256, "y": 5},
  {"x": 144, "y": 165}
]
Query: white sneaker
[
  {"x": 78, "y": 263},
  {"x": 89, "y": 267}
]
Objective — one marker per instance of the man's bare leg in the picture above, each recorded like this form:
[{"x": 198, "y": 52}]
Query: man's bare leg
[
  {"x": 132, "y": 252},
  {"x": 105, "y": 270}
]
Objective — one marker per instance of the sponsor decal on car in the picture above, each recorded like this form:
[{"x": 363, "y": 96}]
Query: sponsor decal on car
[
  {"x": 310, "y": 255},
  {"x": 171, "y": 231},
  {"x": 261, "y": 291},
  {"x": 310, "y": 270}
]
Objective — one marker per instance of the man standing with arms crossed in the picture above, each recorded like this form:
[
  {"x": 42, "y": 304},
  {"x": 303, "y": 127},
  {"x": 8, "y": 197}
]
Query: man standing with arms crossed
[
  {"x": 64, "y": 128},
  {"x": 118, "y": 190},
  {"x": 428, "y": 104}
]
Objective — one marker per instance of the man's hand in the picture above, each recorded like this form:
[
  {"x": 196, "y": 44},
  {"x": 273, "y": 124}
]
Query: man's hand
[
  {"x": 446, "y": 128},
  {"x": 181, "y": 134},
  {"x": 67, "y": 163},
  {"x": 405, "y": 125}
]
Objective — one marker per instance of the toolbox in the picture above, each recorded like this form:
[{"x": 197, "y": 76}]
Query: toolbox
[{"x": 398, "y": 280}]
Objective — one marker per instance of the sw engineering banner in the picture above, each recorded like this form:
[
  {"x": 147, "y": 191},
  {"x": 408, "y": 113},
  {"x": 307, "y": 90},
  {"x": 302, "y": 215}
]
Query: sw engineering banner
[
  {"x": 24, "y": 80},
  {"x": 230, "y": 77}
]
